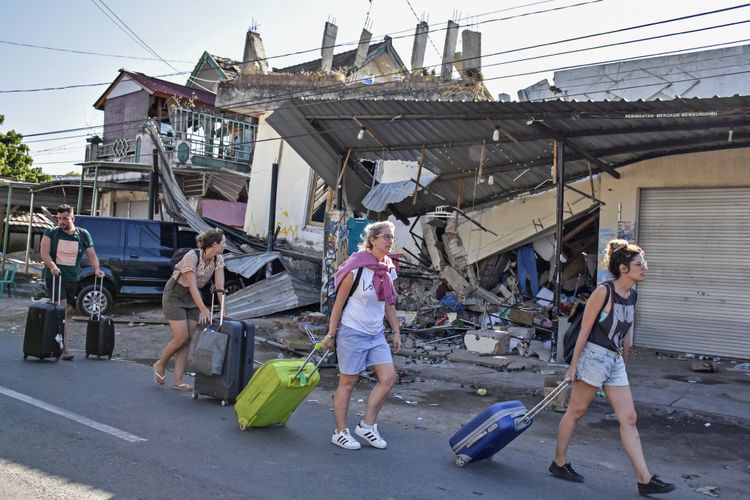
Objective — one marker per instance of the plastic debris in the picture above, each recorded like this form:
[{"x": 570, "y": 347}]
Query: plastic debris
[{"x": 711, "y": 491}]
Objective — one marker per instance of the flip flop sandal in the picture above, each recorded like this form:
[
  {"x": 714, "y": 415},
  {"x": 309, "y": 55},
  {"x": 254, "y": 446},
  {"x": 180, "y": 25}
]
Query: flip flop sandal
[
  {"x": 67, "y": 357},
  {"x": 159, "y": 379},
  {"x": 182, "y": 387}
]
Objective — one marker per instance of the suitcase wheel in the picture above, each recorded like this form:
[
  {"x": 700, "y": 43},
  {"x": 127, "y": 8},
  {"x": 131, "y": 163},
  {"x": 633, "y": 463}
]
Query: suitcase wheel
[
  {"x": 87, "y": 355},
  {"x": 25, "y": 355},
  {"x": 109, "y": 357},
  {"x": 224, "y": 402},
  {"x": 195, "y": 395},
  {"x": 461, "y": 461}
]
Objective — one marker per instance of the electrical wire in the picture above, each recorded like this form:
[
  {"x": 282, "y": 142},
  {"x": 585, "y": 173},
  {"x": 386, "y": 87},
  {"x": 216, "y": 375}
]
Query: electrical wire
[
  {"x": 324, "y": 90},
  {"x": 518, "y": 49},
  {"x": 85, "y": 52},
  {"x": 138, "y": 123},
  {"x": 133, "y": 35}
]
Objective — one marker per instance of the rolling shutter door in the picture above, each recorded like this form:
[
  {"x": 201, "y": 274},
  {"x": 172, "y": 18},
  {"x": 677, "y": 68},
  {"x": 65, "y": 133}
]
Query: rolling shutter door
[{"x": 697, "y": 295}]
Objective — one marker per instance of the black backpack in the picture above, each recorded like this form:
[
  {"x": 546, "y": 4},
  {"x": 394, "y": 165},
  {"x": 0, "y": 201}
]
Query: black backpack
[
  {"x": 571, "y": 335},
  {"x": 179, "y": 254},
  {"x": 328, "y": 307}
]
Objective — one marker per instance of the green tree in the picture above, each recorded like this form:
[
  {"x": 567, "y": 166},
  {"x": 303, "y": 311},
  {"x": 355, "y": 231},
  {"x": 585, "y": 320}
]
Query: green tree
[{"x": 15, "y": 160}]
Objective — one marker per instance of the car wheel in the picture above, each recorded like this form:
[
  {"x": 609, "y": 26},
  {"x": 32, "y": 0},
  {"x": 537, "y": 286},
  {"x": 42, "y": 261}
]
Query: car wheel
[{"x": 90, "y": 301}]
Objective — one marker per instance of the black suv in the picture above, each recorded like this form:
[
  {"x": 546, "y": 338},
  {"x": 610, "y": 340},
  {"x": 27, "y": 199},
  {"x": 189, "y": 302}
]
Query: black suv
[{"x": 134, "y": 255}]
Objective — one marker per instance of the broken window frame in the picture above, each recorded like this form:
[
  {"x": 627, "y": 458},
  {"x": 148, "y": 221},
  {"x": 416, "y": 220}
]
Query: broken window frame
[{"x": 319, "y": 193}]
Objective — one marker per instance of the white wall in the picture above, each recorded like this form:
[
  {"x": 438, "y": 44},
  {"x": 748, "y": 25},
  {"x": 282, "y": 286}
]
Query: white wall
[{"x": 292, "y": 192}]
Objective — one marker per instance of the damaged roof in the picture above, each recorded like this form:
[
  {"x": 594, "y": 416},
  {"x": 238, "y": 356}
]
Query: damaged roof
[
  {"x": 456, "y": 139},
  {"x": 344, "y": 61},
  {"x": 157, "y": 86}
]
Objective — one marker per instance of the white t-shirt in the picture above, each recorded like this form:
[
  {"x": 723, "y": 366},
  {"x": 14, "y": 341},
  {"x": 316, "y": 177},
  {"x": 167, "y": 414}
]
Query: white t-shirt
[{"x": 364, "y": 312}]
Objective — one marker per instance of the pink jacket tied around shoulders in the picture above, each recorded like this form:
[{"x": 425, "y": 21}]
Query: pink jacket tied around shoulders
[{"x": 381, "y": 280}]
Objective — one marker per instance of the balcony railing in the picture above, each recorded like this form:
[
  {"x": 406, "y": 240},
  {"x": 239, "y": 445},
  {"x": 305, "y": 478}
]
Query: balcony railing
[
  {"x": 207, "y": 135},
  {"x": 215, "y": 136}
]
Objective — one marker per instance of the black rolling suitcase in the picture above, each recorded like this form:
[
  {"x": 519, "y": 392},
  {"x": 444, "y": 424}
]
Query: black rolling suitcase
[
  {"x": 238, "y": 362},
  {"x": 100, "y": 331},
  {"x": 45, "y": 325}
]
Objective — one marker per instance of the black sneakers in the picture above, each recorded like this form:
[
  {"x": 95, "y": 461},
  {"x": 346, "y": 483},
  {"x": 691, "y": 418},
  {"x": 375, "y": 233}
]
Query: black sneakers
[
  {"x": 656, "y": 485},
  {"x": 566, "y": 472}
]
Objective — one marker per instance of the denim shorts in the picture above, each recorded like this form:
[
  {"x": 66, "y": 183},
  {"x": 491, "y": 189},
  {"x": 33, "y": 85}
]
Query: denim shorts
[
  {"x": 357, "y": 350},
  {"x": 598, "y": 366}
]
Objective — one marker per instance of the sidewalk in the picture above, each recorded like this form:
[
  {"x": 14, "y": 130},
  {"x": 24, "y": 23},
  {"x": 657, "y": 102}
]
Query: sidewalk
[{"x": 661, "y": 383}]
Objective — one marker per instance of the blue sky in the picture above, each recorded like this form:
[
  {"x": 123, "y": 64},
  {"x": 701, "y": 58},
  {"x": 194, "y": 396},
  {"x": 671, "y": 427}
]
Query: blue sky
[{"x": 181, "y": 31}]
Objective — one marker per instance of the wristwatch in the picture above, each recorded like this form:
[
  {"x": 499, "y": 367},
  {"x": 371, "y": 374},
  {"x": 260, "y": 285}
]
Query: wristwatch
[{"x": 331, "y": 336}]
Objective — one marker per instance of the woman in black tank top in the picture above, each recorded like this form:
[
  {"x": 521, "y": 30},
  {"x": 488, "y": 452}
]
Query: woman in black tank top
[{"x": 599, "y": 360}]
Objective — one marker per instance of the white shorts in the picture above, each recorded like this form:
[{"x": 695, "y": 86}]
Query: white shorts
[{"x": 358, "y": 350}]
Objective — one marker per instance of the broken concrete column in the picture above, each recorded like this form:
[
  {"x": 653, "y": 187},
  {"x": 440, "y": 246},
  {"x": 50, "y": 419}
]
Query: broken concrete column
[
  {"x": 471, "y": 55},
  {"x": 429, "y": 233},
  {"x": 326, "y": 50},
  {"x": 254, "y": 58},
  {"x": 457, "y": 282},
  {"x": 456, "y": 252},
  {"x": 362, "y": 49},
  {"x": 449, "y": 49},
  {"x": 465, "y": 289},
  {"x": 420, "y": 44}
]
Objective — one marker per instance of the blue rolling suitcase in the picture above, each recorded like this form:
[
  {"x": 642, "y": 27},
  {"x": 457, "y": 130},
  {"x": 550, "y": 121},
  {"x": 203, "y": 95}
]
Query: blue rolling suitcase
[
  {"x": 494, "y": 428},
  {"x": 238, "y": 362}
]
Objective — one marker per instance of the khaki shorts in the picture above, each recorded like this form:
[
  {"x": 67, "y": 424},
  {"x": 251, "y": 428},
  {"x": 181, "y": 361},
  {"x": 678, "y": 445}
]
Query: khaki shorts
[{"x": 178, "y": 304}]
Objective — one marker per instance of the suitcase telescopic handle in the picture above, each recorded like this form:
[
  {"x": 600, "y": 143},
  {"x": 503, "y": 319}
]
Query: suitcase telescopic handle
[
  {"x": 56, "y": 285},
  {"x": 317, "y": 346},
  {"x": 214, "y": 291},
  {"x": 546, "y": 401},
  {"x": 95, "y": 304}
]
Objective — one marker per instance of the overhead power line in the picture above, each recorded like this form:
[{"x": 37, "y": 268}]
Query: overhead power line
[
  {"x": 138, "y": 123},
  {"x": 509, "y": 51},
  {"x": 85, "y": 52},
  {"x": 326, "y": 90}
]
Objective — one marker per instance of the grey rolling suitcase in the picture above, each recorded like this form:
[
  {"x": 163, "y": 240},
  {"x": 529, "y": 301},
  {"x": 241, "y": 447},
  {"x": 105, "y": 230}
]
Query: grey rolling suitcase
[{"x": 238, "y": 362}]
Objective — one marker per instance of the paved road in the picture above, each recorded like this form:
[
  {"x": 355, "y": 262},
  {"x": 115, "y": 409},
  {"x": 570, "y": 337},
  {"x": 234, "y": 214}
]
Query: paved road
[{"x": 54, "y": 443}]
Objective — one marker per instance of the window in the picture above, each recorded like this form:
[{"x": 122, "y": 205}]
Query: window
[
  {"x": 186, "y": 238},
  {"x": 105, "y": 233},
  {"x": 320, "y": 201},
  {"x": 150, "y": 236}
]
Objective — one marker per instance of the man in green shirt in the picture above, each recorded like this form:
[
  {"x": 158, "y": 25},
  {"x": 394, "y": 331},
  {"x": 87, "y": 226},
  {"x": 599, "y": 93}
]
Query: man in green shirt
[{"x": 62, "y": 249}]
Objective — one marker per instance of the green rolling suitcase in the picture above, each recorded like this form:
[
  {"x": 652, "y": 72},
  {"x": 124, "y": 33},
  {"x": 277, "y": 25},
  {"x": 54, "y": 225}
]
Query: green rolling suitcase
[{"x": 276, "y": 390}]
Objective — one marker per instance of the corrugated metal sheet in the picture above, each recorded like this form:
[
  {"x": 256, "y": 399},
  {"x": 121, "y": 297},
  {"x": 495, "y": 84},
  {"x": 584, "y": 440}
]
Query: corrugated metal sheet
[
  {"x": 275, "y": 294},
  {"x": 696, "y": 296},
  {"x": 248, "y": 265},
  {"x": 458, "y": 137},
  {"x": 174, "y": 200},
  {"x": 383, "y": 194}
]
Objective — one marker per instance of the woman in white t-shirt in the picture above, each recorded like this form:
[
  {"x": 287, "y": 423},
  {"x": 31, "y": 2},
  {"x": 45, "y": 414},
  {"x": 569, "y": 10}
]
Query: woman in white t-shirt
[{"x": 357, "y": 323}]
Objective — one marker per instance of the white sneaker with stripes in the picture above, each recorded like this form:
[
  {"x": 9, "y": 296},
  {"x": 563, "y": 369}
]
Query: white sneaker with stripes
[
  {"x": 371, "y": 435},
  {"x": 345, "y": 440}
]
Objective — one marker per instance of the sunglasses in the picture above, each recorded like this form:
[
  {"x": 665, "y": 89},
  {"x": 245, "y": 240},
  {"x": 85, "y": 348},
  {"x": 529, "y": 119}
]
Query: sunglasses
[{"x": 386, "y": 237}]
